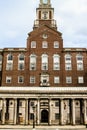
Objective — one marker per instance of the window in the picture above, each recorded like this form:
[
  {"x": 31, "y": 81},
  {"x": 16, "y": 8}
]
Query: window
[
  {"x": 44, "y": 44},
  {"x": 57, "y": 104},
  {"x": 21, "y": 57},
  {"x": 21, "y": 66},
  {"x": 57, "y": 116},
  {"x": 56, "y": 80},
  {"x": 33, "y": 44},
  {"x": 44, "y": 66},
  {"x": 32, "y": 62},
  {"x": 68, "y": 80},
  {"x": 9, "y": 64},
  {"x": 81, "y": 80},
  {"x": 45, "y": 15},
  {"x": 9, "y": 57},
  {"x": 32, "y": 104},
  {"x": 56, "y": 44},
  {"x": 8, "y": 79},
  {"x": 44, "y": 62},
  {"x": 20, "y": 79},
  {"x": 79, "y": 66},
  {"x": 21, "y": 62},
  {"x": 79, "y": 59},
  {"x": 68, "y": 65},
  {"x": 20, "y": 114},
  {"x": 32, "y": 79},
  {"x": 20, "y": 103},
  {"x": 31, "y": 116},
  {"x": 56, "y": 62}
]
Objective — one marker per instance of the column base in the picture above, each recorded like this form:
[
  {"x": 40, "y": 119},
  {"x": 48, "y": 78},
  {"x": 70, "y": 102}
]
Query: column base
[
  {"x": 33, "y": 129},
  {"x": 73, "y": 124}
]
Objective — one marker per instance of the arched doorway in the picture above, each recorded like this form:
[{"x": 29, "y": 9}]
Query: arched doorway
[{"x": 44, "y": 116}]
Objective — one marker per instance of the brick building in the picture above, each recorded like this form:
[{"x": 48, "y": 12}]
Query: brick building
[{"x": 44, "y": 75}]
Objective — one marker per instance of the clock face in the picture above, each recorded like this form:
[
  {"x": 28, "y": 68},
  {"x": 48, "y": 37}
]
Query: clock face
[{"x": 45, "y": 1}]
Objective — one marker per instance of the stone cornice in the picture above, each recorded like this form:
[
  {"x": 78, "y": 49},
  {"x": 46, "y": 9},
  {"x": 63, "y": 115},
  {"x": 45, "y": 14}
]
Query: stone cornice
[{"x": 44, "y": 90}]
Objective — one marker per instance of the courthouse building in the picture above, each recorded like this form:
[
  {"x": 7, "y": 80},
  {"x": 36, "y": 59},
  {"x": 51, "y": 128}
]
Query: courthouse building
[{"x": 43, "y": 79}]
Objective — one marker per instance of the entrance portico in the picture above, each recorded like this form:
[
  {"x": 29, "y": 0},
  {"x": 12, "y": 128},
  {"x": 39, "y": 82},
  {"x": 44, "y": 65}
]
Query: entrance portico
[{"x": 60, "y": 109}]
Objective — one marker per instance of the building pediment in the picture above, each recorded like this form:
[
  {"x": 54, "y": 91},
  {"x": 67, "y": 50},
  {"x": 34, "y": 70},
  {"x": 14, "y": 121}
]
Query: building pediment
[{"x": 44, "y": 29}]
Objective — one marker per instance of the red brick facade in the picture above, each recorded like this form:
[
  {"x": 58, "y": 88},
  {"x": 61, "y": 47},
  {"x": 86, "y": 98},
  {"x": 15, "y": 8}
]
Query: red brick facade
[{"x": 76, "y": 76}]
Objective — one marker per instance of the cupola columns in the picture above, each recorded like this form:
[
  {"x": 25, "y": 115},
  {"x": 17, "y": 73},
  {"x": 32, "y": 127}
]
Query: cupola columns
[{"x": 45, "y": 15}]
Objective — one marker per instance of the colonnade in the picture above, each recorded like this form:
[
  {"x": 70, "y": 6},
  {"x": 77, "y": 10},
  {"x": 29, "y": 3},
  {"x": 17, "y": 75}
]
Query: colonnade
[{"x": 38, "y": 112}]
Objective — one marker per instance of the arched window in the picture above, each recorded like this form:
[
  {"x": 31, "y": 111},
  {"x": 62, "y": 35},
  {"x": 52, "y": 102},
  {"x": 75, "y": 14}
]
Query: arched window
[
  {"x": 79, "y": 60},
  {"x": 68, "y": 62},
  {"x": 44, "y": 62},
  {"x": 9, "y": 65},
  {"x": 9, "y": 57},
  {"x": 32, "y": 62},
  {"x": 56, "y": 62},
  {"x": 21, "y": 60},
  {"x": 21, "y": 57}
]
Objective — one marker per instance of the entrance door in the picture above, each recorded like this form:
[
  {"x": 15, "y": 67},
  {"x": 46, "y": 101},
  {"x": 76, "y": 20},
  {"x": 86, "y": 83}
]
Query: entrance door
[{"x": 44, "y": 116}]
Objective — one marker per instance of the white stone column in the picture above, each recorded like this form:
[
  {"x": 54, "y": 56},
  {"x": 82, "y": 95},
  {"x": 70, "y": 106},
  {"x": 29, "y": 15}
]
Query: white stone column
[
  {"x": 84, "y": 101},
  {"x": 3, "y": 111},
  {"x": 73, "y": 112},
  {"x": 26, "y": 111},
  {"x": 38, "y": 111},
  {"x": 29, "y": 111},
  {"x": 49, "y": 111},
  {"x": 61, "y": 111},
  {"x": 15, "y": 111}
]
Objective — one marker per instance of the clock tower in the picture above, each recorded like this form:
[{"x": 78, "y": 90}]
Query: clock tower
[{"x": 45, "y": 14}]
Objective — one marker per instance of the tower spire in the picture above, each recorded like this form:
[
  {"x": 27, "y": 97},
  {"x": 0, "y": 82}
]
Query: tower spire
[{"x": 45, "y": 14}]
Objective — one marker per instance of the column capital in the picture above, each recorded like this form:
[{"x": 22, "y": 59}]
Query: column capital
[
  {"x": 72, "y": 98},
  {"x": 38, "y": 98},
  {"x": 3, "y": 98},
  {"x": 61, "y": 99},
  {"x": 26, "y": 98},
  {"x": 15, "y": 98},
  {"x": 84, "y": 99}
]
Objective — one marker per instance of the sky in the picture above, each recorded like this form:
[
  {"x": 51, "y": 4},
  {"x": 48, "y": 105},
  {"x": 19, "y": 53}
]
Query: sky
[{"x": 17, "y": 19}]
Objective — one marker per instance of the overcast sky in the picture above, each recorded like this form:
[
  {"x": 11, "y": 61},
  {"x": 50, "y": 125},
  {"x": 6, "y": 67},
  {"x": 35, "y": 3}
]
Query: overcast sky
[{"x": 17, "y": 18}]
